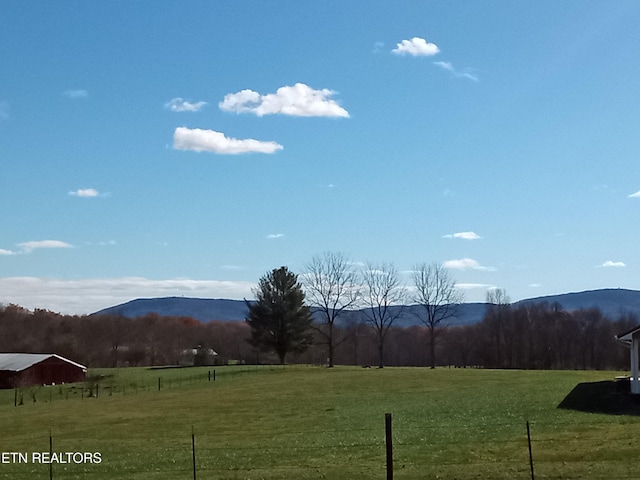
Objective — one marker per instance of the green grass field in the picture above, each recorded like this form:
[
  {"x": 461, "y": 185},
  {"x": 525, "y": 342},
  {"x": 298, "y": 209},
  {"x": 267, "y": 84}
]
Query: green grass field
[{"x": 312, "y": 422}]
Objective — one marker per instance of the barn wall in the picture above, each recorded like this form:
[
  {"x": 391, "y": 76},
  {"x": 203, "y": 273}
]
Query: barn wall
[
  {"x": 49, "y": 371},
  {"x": 7, "y": 379}
]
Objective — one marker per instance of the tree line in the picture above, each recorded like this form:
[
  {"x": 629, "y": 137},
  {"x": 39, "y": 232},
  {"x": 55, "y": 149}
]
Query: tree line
[
  {"x": 536, "y": 336},
  {"x": 355, "y": 322}
]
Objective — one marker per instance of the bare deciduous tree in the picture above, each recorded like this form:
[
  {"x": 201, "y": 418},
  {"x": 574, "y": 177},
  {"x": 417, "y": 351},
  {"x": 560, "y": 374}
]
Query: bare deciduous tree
[
  {"x": 331, "y": 285},
  {"x": 497, "y": 322},
  {"x": 382, "y": 298},
  {"x": 436, "y": 293}
]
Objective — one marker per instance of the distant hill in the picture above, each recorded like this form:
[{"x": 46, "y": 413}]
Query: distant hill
[
  {"x": 208, "y": 309},
  {"x": 612, "y": 302},
  {"x": 203, "y": 309}
]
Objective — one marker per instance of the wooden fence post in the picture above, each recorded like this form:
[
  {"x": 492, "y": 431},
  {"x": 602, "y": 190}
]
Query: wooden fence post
[{"x": 389, "y": 443}]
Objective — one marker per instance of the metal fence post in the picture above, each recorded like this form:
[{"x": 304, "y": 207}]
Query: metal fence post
[
  {"x": 50, "y": 455},
  {"x": 389, "y": 443},
  {"x": 530, "y": 454},
  {"x": 193, "y": 451}
]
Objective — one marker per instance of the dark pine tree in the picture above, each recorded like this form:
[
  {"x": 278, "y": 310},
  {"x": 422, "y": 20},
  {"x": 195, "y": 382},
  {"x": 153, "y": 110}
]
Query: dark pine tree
[{"x": 279, "y": 319}]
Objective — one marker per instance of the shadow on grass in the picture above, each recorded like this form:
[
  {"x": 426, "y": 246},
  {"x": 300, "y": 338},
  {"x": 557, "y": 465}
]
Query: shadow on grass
[{"x": 607, "y": 397}]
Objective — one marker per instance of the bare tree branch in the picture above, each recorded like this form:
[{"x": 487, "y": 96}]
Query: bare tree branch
[
  {"x": 436, "y": 292},
  {"x": 331, "y": 285},
  {"x": 381, "y": 292}
]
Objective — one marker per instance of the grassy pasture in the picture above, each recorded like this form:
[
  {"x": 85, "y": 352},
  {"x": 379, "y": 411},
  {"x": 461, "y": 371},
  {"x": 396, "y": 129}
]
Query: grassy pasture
[{"x": 312, "y": 422}]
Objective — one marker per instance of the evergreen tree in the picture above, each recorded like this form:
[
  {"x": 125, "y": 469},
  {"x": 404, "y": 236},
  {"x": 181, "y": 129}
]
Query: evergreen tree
[{"x": 279, "y": 320}]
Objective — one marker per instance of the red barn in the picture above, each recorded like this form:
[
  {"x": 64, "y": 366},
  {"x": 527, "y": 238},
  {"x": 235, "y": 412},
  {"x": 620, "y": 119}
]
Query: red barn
[{"x": 24, "y": 369}]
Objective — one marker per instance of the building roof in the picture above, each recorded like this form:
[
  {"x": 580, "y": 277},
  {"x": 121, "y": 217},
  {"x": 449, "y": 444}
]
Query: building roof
[{"x": 16, "y": 362}]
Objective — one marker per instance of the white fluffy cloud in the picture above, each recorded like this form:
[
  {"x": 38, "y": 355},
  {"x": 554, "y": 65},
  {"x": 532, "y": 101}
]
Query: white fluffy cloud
[
  {"x": 6, "y": 252},
  {"x": 85, "y": 192},
  {"x": 199, "y": 140},
  {"x": 181, "y": 105},
  {"x": 30, "y": 246},
  {"x": 90, "y": 295},
  {"x": 465, "y": 264},
  {"x": 298, "y": 100},
  {"x": 612, "y": 264},
  {"x": 464, "y": 236},
  {"x": 418, "y": 47}
]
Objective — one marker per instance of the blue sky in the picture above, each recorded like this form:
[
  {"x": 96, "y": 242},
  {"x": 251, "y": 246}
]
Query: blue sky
[{"x": 186, "y": 148}]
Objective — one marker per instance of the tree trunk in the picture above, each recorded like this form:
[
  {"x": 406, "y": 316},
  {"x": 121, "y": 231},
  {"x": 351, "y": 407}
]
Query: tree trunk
[
  {"x": 331, "y": 347},
  {"x": 432, "y": 346}
]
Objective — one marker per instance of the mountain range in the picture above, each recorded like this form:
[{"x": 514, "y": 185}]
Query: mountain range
[{"x": 612, "y": 303}]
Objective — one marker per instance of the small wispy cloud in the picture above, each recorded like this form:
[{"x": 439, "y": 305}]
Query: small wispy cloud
[
  {"x": 198, "y": 140},
  {"x": 75, "y": 94},
  {"x": 28, "y": 247},
  {"x": 232, "y": 268},
  {"x": 272, "y": 236},
  {"x": 635, "y": 195},
  {"x": 298, "y": 100},
  {"x": 465, "y": 264},
  {"x": 4, "y": 252},
  {"x": 378, "y": 46},
  {"x": 612, "y": 264},
  {"x": 417, "y": 47},
  {"x": 85, "y": 193},
  {"x": 180, "y": 105},
  {"x": 475, "y": 286},
  {"x": 448, "y": 66},
  {"x": 463, "y": 235}
]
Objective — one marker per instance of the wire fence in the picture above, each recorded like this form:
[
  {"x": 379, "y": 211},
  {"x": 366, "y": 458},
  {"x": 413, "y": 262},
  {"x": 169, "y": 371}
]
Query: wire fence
[
  {"x": 97, "y": 385},
  {"x": 190, "y": 453}
]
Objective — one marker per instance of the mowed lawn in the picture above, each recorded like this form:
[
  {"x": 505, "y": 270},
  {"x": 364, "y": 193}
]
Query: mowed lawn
[{"x": 312, "y": 422}]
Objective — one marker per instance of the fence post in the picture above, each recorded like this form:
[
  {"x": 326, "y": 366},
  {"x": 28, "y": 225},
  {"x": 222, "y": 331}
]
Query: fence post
[
  {"x": 530, "y": 454},
  {"x": 193, "y": 451},
  {"x": 389, "y": 443},
  {"x": 158, "y": 383},
  {"x": 15, "y": 398}
]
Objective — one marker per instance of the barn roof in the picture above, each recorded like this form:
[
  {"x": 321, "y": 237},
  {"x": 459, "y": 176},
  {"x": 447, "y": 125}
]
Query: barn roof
[{"x": 17, "y": 362}]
